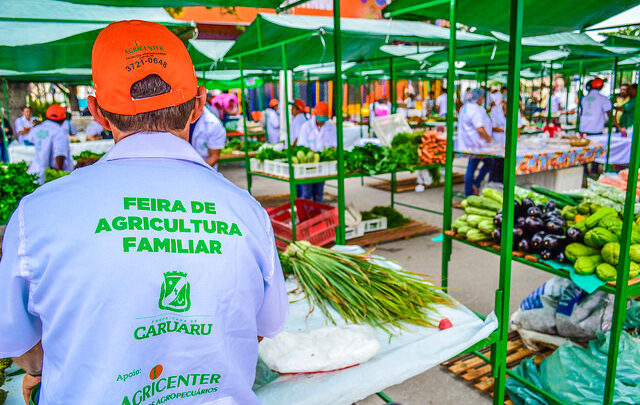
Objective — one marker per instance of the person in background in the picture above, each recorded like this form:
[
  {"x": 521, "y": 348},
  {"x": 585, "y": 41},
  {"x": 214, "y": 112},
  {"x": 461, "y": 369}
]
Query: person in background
[
  {"x": 24, "y": 123},
  {"x": 498, "y": 117},
  {"x": 273, "y": 122},
  {"x": 465, "y": 94},
  {"x": 298, "y": 109},
  {"x": 410, "y": 101},
  {"x": 208, "y": 137},
  {"x": 8, "y": 134},
  {"x": 226, "y": 105},
  {"x": 382, "y": 107},
  {"x": 94, "y": 129},
  {"x": 441, "y": 104},
  {"x": 318, "y": 134},
  {"x": 595, "y": 109},
  {"x": 556, "y": 102},
  {"x": 52, "y": 144},
  {"x": 628, "y": 108},
  {"x": 68, "y": 127},
  {"x": 429, "y": 103},
  {"x": 474, "y": 134},
  {"x": 621, "y": 98}
]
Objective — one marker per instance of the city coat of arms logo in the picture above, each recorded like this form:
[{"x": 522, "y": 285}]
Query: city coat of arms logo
[{"x": 175, "y": 292}]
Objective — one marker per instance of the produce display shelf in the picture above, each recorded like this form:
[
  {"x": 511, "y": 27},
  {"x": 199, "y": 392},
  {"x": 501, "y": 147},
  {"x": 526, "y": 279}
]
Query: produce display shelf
[
  {"x": 634, "y": 285},
  {"x": 409, "y": 184},
  {"x": 234, "y": 157},
  {"x": 412, "y": 229}
]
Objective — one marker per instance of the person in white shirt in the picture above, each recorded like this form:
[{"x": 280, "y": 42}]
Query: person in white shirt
[
  {"x": 555, "y": 103},
  {"x": 51, "y": 143},
  {"x": 474, "y": 134},
  {"x": 429, "y": 104},
  {"x": 24, "y": 123},
  {"x": 441, "y": 104},
  {"x": 318, "y": 134},
  {"x": 298, "y": 109},
  {"x": 94, "y": 129},
  {"x": 595, "y": 109},
  {"x": 68, "y": 127},
  {"x": 208, "y": 137},
  {"x": 273, "y": 122}
]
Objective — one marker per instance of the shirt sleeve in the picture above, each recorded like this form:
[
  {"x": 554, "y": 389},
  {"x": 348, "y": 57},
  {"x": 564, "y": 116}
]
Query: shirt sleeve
[
  {"x": 477, "y": 120},
  {"x": 606, "y": 105},
  {"x": 60, "y": 144},
  {"x": 21, "y": 329},
  {"x": 273, "y": 313},
  {"x": 216, "y": 135},
  {"x": 18, "y": 125}
]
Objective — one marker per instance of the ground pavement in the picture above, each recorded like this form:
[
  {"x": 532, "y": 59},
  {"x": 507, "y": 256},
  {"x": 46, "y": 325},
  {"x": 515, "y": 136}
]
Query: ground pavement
[{"x": 473, "y": 278}]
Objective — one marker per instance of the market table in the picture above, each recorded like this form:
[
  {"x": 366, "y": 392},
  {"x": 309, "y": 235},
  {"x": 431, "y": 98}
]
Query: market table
[
  {"x": 620, "y": 148},
  {"x": 18, "y": 152},
  {"x": 551, "y": 165}
]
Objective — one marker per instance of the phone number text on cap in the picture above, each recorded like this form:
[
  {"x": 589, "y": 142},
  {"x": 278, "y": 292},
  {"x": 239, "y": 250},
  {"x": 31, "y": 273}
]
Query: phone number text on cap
[{"x": 141, "y": 62}]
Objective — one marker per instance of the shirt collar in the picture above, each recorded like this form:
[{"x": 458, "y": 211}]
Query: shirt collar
[{"x": 154, "y": 145}]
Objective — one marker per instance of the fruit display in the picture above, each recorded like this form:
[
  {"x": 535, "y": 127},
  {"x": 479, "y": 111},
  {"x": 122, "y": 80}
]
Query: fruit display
[
  {"x": 87, "y": 158},
  {"x": 480, "y": 211},
  {"x": 432, "y": 149}
]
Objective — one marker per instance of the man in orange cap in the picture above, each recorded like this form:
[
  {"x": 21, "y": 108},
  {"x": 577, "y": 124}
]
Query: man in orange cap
[
  {"x": 299, "y": 119},
  {"x": 146, "y": 277},
  {"x": 595, "y": 109},
  {"x": 318, "y": 133},
  {"x": 273, "y": 122},
  {"x": 51, "y": 143}
]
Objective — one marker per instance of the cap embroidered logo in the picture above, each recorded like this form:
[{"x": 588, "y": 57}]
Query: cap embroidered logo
[{"x": 175, "y": 292}]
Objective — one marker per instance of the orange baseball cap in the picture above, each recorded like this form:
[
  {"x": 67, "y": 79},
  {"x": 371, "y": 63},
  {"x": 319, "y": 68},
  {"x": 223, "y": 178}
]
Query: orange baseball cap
[
  {"x": 597, "y": 83},
  {"x": 56, "y": 112},
  {"x": 128, "y": 51},
  {"x": 300, "y": 105},
  {"x": 322, "y": 109},
  {"x": 273, "y": 102}
]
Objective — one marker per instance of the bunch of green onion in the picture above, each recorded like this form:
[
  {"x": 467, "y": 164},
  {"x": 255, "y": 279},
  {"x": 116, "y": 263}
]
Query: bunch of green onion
[{"x": 360, "y": 290}]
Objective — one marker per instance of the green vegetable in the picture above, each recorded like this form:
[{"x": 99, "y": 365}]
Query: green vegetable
[
  {"x": 370, "y": 159},
  {"x": 469, "y": 210},
  {"x": 394, "y": 218},
  {"x": 404, "y": 150},
  {"x": 575, "y": 250},
  {"x": 587, "y": 264},
  {"x": 5, "y": 364},
  {"x": 611, "y": 253},
  {"x": 15, "y": 183},
  {"x": 560, "y": 199},
  {"x": 612, "y": 224},
  {"x": 492, "y": 194},
  {"x": 521, "y": 193},
  {"x": 483, "y": 203},
  {"x": 634, "y": 253},
  {"x": 463, "y": 230},
  {"x": 486, "y": 226},
  {"x": 360, "y": 290},
  {"x": 606, "y": 272},
  {"x": 593, "y": 219},
  {"x": 634, "y": 270},
  {"x": 3, "y": 396},
  {"x": 569, "y": 213},
  {"x": 584, "y": 208},
  {"x": 597, "y": 237},
  {"x": 53, "y": 174},
  {"x": 460, "y": 221},
  {"x": 464, "y": 204},
  {"x": 474, "y": 220},
  {"x": 581, "y": 225},
  {"x": 475, "y": 235}
]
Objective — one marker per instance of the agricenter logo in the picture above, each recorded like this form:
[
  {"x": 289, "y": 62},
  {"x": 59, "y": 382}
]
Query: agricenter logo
[
  {"x": 138, "y": 47},
  {"x": 175, "y": 292}
]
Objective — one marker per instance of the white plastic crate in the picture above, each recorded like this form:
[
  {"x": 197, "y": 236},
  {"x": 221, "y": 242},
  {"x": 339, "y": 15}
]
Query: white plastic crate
[
  {"x": 351, "y": 232},
  {"x": 256, "y": 165},
  {"x": 300, "y": 171},
  {"x": 375, "y": 224}
]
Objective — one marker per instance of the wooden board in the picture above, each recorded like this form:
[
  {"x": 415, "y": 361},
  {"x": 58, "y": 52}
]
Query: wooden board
[
  {"x": 275, "y": 200},
  {"x": 413, "y": 228},
  {"x": 477, "y": 372},
  {"x": 409, "y": 184}
]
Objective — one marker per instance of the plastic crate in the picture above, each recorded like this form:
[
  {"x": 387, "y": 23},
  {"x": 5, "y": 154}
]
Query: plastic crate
[
  {"x": 280, "y": 168},
  {"x": 385, "y": 128},
  {"x": 315, "y": 222},
  {"x": 352, "y": 232},
  {"x": 256, "y": 165},
  {"x": 375, "y": 224}
]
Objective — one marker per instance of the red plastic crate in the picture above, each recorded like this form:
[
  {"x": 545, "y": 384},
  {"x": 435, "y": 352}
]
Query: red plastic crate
[{"x": 316, "y": 222}]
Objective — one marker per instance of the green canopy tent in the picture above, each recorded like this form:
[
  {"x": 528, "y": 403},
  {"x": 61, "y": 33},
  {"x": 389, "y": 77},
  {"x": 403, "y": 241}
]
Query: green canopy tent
[
  {"x": 274, "y": 4},
  {"x": 540, "y": 17},
  {"x": 621, "y": 40},
  {"x": 73, "y": 76}
]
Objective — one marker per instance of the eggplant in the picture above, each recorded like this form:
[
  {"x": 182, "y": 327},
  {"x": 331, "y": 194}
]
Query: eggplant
[
  {"x": 496, "y": 235},
  {"x": 497, "y": 220},
  {"x": 534, "y": 212},
  {"x": 554, "y": 243},
  {"x": 527, "y": 203},
  {"x": 536, "y": 240},
  {"x": 519, "y": 222},
  {"x": 518, "y": 209},
  {"x": 523, "y": 245},
  {"x": 533, "y": 224},
  {"x": 518, "y": 233},
  {"x": 550, "y": 206},
  {"x": 552, "y": 227},
  {"x": 561, "y": 257},
  {"x": 547, "y": 255},
  {"x": 574, "y": 235}
]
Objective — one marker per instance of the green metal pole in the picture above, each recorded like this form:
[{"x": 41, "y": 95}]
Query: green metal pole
[
  {"x": 5, "y": 140},
  {"x": 486, "y": 81},
  {"x": 392, "y": 86},
  {"x": 394, "y": 184},
  {"x": 337, "y": 49},
  {"x": 607, "y": 167},
  {"x": 247, "y": 160},
  {"x": 579, "y": 94},
  {"x": 566, "y": 104},
  {"x": 622, "y": 280},
  {"x": 511, "y": 144},
  {"x": 309, "y": 89},
  {"x": 292, "y": 179},
  {"x": 361, "y": 87},
  {"x": 550, "y": 93},
  {"x": 448, "y": 171}
]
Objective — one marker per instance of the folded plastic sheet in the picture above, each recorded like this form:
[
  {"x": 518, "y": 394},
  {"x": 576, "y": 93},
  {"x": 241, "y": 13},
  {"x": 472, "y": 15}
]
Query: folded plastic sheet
[{"x": 404, "y": 355}]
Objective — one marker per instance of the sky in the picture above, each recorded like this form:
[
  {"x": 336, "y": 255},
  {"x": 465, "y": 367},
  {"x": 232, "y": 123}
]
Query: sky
[{"x": 631, "y": 16}]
